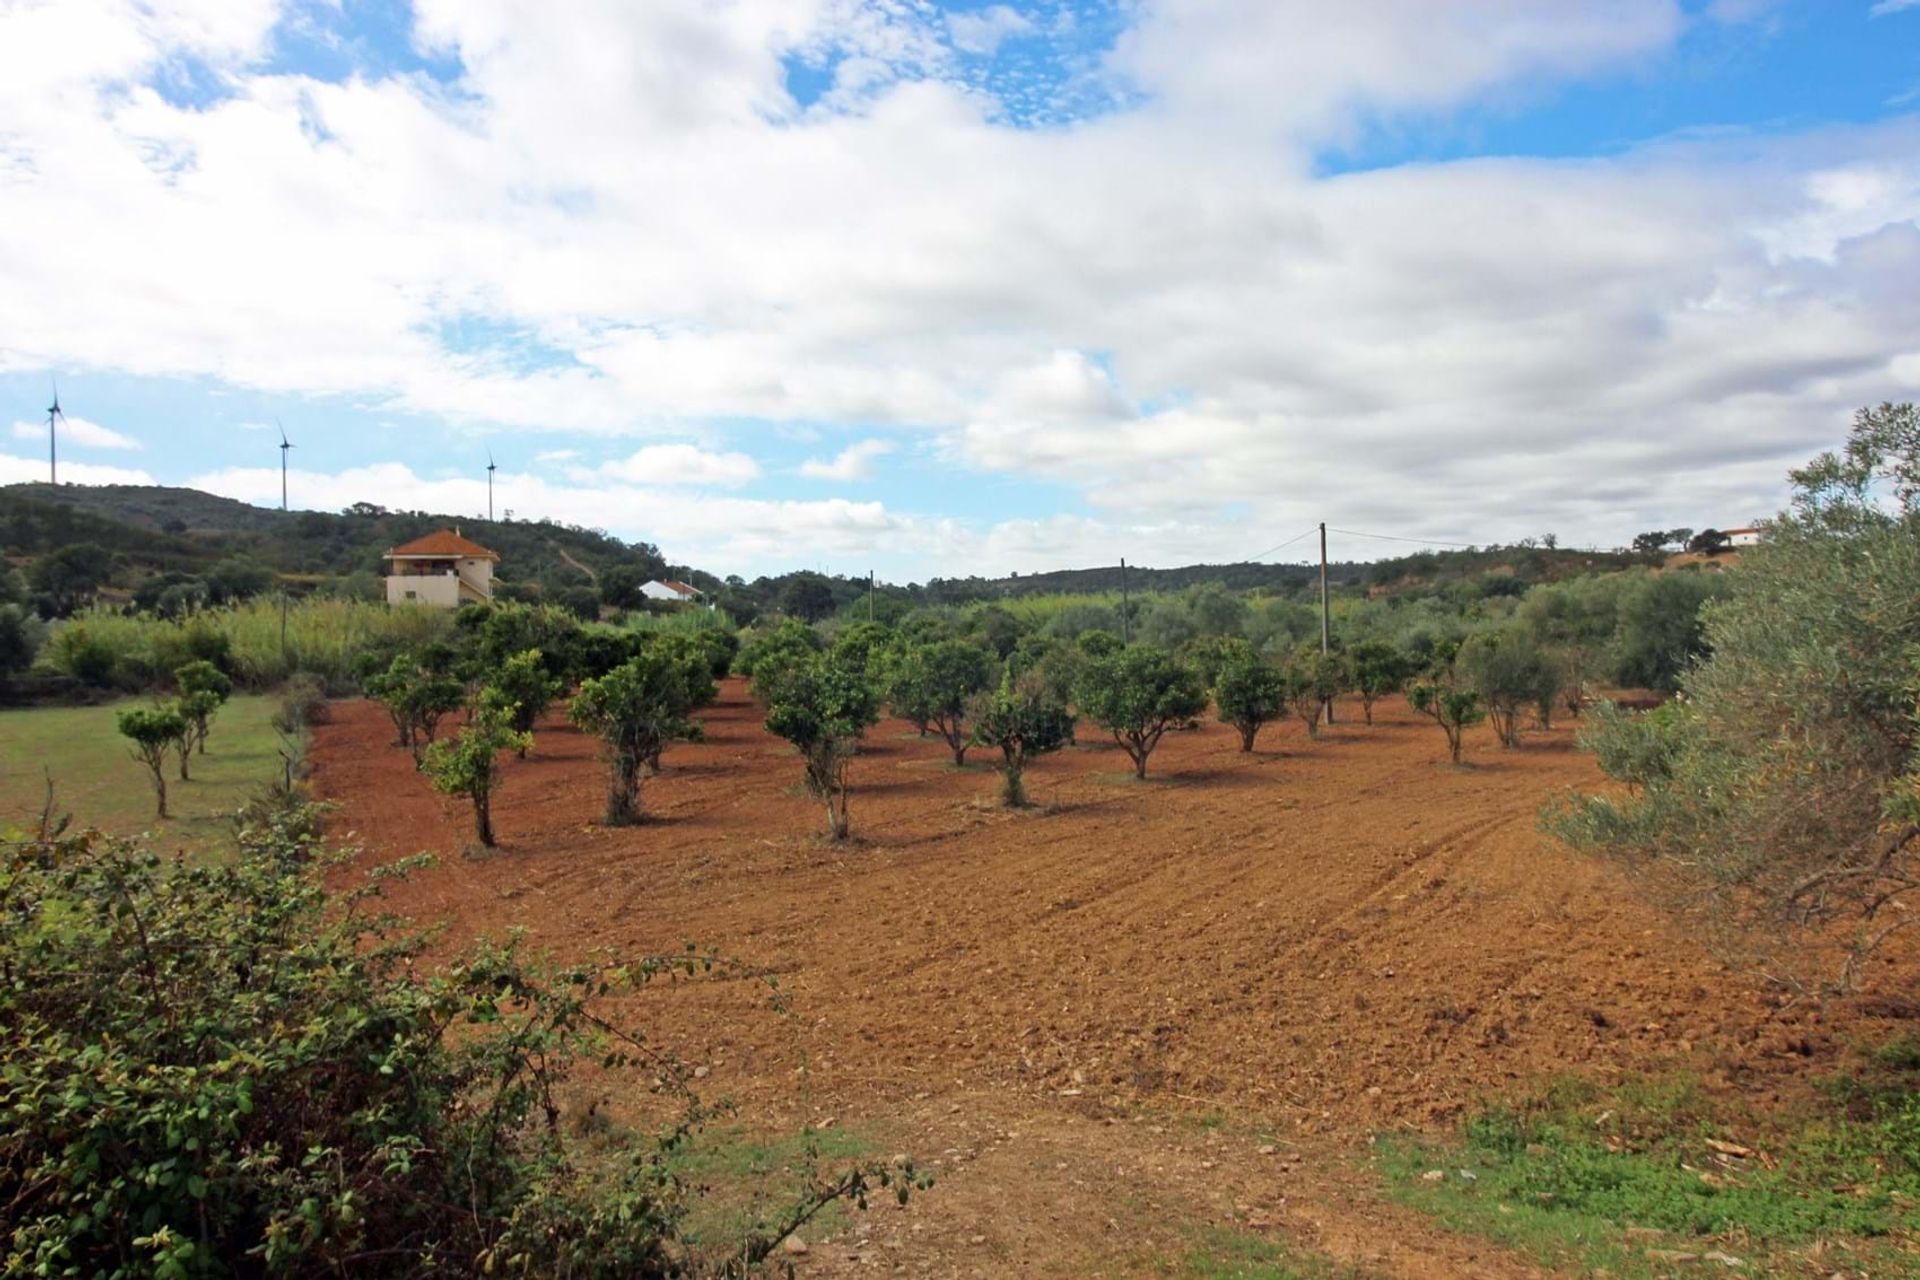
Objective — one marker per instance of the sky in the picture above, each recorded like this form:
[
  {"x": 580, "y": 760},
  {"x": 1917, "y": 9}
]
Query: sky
[{"x": 947, "y": 288}]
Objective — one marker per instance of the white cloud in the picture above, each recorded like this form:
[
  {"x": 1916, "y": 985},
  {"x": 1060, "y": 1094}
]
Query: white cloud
[
  {"x": 855, "y": 462},
  {"x": 682, "y": 466},
  {"x": 982, "y": 31},
  {"x": 78, "y": 431},
  {"x": 1886, "y": 7},
  {"x": 18, "y": 470},
  {"x": 1164, "y": 310}
]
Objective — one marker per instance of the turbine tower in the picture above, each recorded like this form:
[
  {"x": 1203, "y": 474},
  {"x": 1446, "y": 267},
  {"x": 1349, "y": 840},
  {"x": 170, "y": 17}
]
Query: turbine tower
[
  {"x": 491, "y": 468},
  {"x": 284, "y": 446},
  {"x": 53, "y": 447}
]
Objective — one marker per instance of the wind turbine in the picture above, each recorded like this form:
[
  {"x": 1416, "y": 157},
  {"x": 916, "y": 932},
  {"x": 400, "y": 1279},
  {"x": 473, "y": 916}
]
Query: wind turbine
[
  {"x": 53, "y": 447},
  {"x": 284, "y": 446},
  {"x": 491, "y": 468}
]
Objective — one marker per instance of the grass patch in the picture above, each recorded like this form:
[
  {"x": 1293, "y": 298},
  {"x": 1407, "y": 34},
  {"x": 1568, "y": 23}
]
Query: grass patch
[
  {"x": 1221, "y": 1253},
  {"x": 1657, "y": 1179},
  {"x": 746, "y": 1180},
  {"x": 100, "y": 784}
]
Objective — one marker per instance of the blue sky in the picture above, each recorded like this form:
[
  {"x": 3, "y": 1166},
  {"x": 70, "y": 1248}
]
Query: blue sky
[{"x": 939, "y": 289}]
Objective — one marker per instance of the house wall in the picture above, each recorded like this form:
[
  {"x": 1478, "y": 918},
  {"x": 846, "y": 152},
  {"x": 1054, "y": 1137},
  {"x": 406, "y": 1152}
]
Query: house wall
[
  {"x": 661, "y": 591},
  {"x": 439, "y": 591},
  {"x": 470, "y": 581}
]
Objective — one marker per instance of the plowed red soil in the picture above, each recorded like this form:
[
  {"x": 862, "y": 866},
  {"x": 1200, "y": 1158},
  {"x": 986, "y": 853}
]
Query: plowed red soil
[{"x": 1317, "y": 940}]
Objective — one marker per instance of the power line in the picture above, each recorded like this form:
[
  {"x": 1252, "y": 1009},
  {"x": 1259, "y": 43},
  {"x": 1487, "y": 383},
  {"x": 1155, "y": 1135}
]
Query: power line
[
  {"x": 1284, "y": 545},
  {"x": 1389, "y": 537}
]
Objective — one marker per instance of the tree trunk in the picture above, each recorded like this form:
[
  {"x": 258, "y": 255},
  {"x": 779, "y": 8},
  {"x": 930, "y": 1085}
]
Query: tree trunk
[
  {"x": 1247, "y": 732},
  {"x": 483, "y": 818},
  {"x": 837, "y": 823},
  {"x": 186, "y": 754},
  {"x": 1013, "y": 789},
  {"x": 160, "y": 789},
  {"x": 960, "y": 755},
  {"x": 623, "y": 795},
  {"x": 1453, "y": 743},
  {"x": 1366, "y": 709}
]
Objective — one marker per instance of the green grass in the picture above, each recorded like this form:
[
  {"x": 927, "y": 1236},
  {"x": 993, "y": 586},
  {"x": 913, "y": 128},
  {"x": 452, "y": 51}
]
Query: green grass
[
  {"x": 748, "y": 1180},
  {"x": 1623, "y": 1181},
  {"x": 102, "y": 785}
]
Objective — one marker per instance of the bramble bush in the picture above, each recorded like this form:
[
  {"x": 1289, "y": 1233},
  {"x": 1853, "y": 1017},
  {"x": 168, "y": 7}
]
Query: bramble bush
[{"x": 217, "y": 1068}]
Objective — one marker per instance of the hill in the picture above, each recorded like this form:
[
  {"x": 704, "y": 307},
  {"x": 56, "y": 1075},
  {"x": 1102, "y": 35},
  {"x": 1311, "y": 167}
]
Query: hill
[{"x": 154, "y": 529}]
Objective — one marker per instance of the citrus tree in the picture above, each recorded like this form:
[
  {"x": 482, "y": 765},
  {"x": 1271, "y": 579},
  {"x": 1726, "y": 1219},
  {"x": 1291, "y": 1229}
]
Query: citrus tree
[
  {"x": 1023, "y": 720},
  {"x": 1312, "y": 680},
  {"x": 1377, "y": 669},
  {"x": 636, "y": 710},
  {"x": 1137, "y": 694},
  {"x": 1248, "y": 692},
  {"x": 935, "y": 684},
  {"x": 526, "y": 685},
  {"x": 416, "y": 697},
  {"x": 470, "y": 764},
  {"x": 823, "y": 708},
  {"x": 1440, "y": 697}
]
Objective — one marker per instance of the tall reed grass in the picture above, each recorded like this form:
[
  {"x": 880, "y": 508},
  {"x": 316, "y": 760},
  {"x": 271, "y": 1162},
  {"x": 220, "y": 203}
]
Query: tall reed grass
[{"x": 322, "y": 636}]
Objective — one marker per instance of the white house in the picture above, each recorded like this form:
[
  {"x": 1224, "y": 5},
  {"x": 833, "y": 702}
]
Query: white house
[
  {"x": 673, "y": 592},
  {"x": 1742, "y": 537},
  {"x": 442, "y": 570}
]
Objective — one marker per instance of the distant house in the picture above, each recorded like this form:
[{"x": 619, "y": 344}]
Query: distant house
[
  {"x": 672, "y": 592},
  {"x": 442, "y": 570},
  {"x": 1742, "y": 537}
]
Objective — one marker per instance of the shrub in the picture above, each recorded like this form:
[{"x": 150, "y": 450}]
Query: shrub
[
  {"x": 765, "y": 655},
  {"x": 636, "y": 709},
  {"x": 303, "y": 704},
  {"x": 1137, "y": 694},
  {"x": 21, "y": 635},
  {"x": 1249, "y": 692},
  {"x": 1023, "y": 720},
  {"x": 823, "y": 708},
  {"x": 80, "y": 651},
  {"x": 214, "y": 1069}
]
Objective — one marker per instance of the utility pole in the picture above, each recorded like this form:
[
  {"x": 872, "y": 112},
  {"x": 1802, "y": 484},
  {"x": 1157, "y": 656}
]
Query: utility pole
[
  {"x": 1126, "y": 622},
  {"x": 869, "y": 595},
  {"x": 1326, "y": 615}
]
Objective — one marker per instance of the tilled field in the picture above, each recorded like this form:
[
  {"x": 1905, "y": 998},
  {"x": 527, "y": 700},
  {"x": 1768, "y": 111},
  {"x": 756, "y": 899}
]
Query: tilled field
[{"x": 1318, "y": 940}]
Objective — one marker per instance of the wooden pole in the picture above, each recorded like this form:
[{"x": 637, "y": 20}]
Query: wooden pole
[
  {"x": 1326, "y": 614},
  {"x": 1126, "y": 622}
]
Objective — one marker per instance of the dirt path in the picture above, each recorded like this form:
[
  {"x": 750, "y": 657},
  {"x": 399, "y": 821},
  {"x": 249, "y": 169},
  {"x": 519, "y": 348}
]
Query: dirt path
[{"x": 1313, "y": 942}]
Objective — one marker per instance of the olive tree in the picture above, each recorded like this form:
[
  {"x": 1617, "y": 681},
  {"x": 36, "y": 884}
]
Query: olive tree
[
  {"x": 1510, "y": 670},
  {"x": 153, "y": 731},
  {"x": 636, "y": 710},
  {"x": 1137, "y": 694},
  {"x": 934, "y": 684},
  {"x": 823, "y": 708},
  {"x": 470, "y": 764},
  {"x": 1023, "y": 720},
  {"x": 1783, "y": 793},
  {"x": 1248, "y": 692}
]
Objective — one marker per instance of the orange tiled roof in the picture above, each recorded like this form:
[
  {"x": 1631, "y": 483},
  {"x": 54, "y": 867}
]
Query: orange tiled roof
[{"x": 444, "y": 543}]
